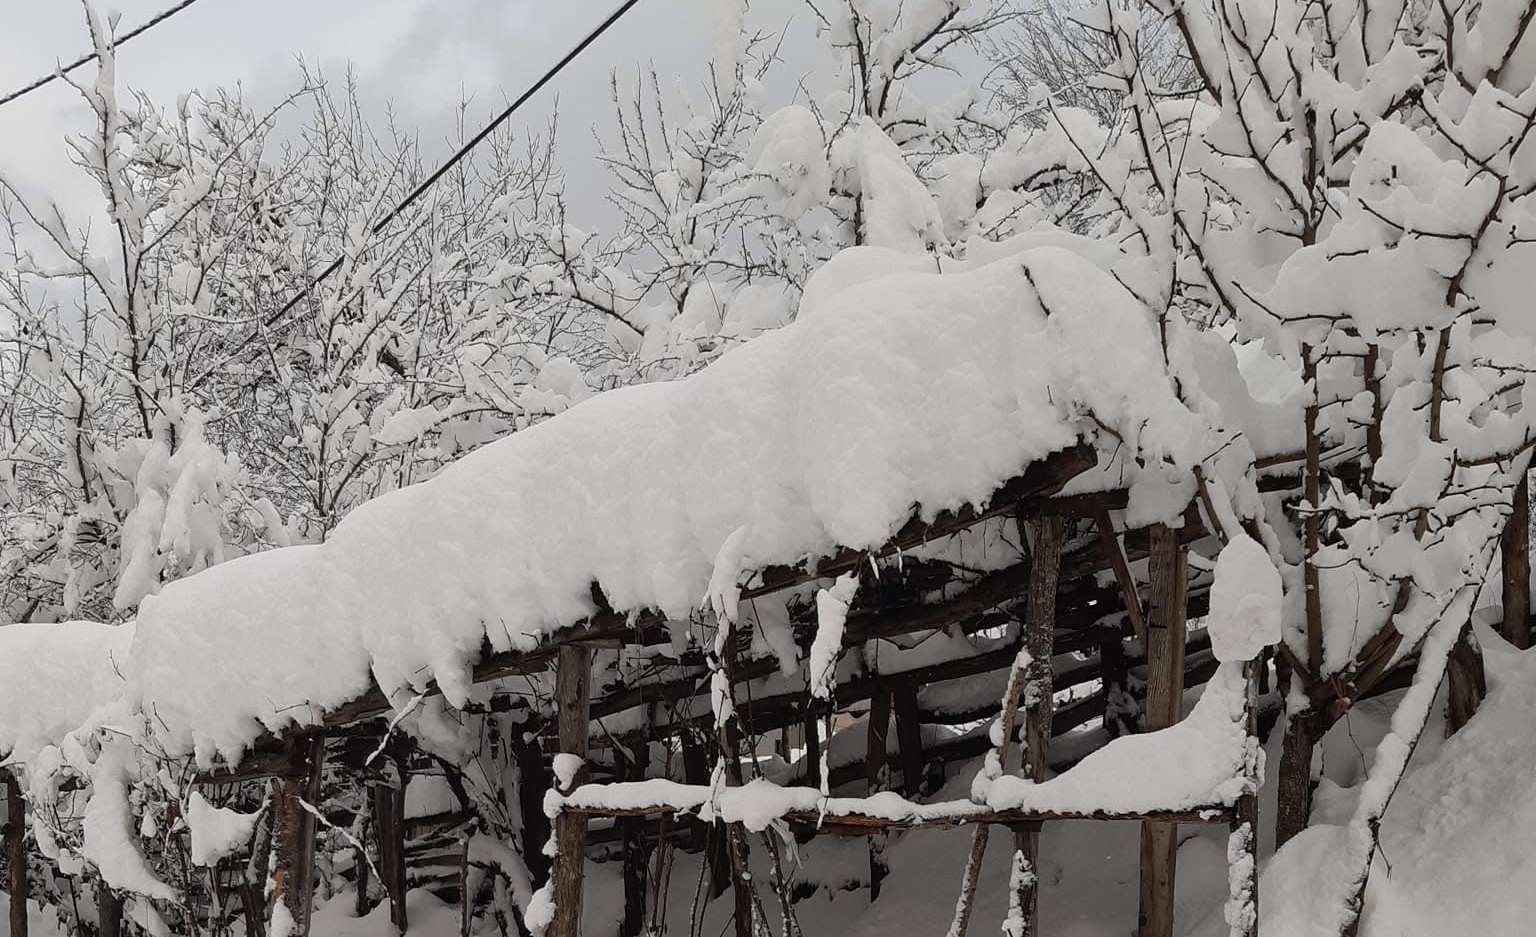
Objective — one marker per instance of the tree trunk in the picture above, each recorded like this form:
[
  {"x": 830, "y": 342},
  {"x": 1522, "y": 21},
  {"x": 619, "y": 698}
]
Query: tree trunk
[
  {"x": 573, "y": 700},
  {"x": 1467, "y": 682},
  {"x": 1517, "y": 569},
  {"x": 1293, "y": 805},
  {"x": 15, "y": 852},
  {"x": 293, "y": 829},
  {"x": 1165, "y": 706}
]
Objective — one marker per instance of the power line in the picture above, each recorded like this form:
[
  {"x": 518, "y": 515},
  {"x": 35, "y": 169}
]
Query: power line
[
  {"x": 463, "y": 151},
  {"x": 152, "y": 22}
]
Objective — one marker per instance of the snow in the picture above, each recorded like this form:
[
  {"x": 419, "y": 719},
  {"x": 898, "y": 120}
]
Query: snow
[
  {"x": 216, "y": 831},
  {"x": 917, "y": 388},
  {"x": 831, "y": 615},
  {"x": 1246, "y": 601},
  {"x": 1194, "y": 764},
  {"x": 52, "y": 677}
]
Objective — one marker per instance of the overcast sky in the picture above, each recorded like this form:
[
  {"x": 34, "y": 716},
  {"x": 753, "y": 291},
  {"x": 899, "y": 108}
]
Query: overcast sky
[{"x": 417, "y": 53}]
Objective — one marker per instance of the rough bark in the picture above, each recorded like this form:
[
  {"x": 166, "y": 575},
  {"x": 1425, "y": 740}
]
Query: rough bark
[
  {"x": 293, "y": 830},
  {"x": 15, "y": 853},
  {"x": 1467, "y": 683},
  {"x": 573, "y": 700},
  {"x": 1516, "y": 549},
  {"x": 1165, "y": 700}
]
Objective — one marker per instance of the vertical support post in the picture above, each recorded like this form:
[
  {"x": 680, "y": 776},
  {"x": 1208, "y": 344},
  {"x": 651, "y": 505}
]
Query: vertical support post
[
  {"x": 1516, "y": 549},
  {"x": 1165, "y": 704},
  {"x": 878, "y": 779},
  {"x": 293, "y": 829},
  {"x": 636, "y": 877},
  {"x": 389, "y": 822},
  {"x": 1243, "y": 841},
  {"x": 909, "y": 737},
  {"x": 1119, "y": 705},
  {"x": 15, "y": 852},
  {"x": 728, "y": 742},
  {"x": 109, "y": 911},
  {"x": 573, "y": 703},
  {"x": 1045, "y": 534},
  {"x": 533, "y": 779}
]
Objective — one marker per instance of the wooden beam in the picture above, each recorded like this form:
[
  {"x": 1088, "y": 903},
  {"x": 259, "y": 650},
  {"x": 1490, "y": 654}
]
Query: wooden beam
[
  {"x": 909, "y": 739},
  {"x": 1117, "y": 562},
  {"x": 293, "y": 828},
  {"x": 1516, "y": 550},
  {"x": 1165, "y": 703},
  {"x": 877, "y": 779},
  {"x": 389, "y": 823},
  {"x": 573, "y": 700},
  {"x": 15, "y": 829}
]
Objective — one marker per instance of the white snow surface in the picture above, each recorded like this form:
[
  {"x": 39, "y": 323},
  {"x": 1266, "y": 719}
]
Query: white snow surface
[
  {"x": 54, "y": 676},
  {"x": 216, "y": 831},
  {"x": 1246, "y": 601},
  {"x": 917, "y": 388}
]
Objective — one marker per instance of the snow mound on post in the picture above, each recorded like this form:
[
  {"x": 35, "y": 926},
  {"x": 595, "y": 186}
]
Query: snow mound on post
[
  {"x": 915, "y": 389},
  {"x": 52, "y": 677},
  {"x": 1245, "y": 601}
]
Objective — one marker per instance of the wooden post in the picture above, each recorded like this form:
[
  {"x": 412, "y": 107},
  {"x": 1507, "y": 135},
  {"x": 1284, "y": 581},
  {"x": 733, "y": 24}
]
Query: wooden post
[
  {"x": 15, "y": 828},
  {"x": 636, "y": 879},
  {"x": 109, "y": 911},
  {"x": 1517, "y": 568},
  {"x": 1243, "y": 841},
  {"x": 389, "y": 822},
  {"x": 293, "y": 829},
  {"x": 573, "y": 702},
  {"x": 1165, "y": 705},
  {"x": 1039, "y": 643},
  {"x": 878, "y": 779},
  {"x": 728, "y": 743},
  {"x": 1119, "y": 705},
  {"x": 533, "y": 780},
  {"x": 909, "y": 737}
]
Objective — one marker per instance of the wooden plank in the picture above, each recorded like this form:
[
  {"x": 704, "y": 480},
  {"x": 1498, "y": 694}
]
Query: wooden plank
[
  {"x": 878, "y": 779},
  {"x": 389, "y": 822},
  {"x": 1166, "y": 611},
  {"x": 1516, "y": 550},
  {"x": 15, "y": 829},
  {"x": 1122, "y": 570},
  {"x": 909, "y": 739},
  {"x": 293, "y": 829},
  {"x": 573, "y": 699}
]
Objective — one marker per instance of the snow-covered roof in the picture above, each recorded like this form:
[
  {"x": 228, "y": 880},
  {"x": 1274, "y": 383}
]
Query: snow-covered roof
[
  {"x": 53, "y": 677},
  {"x": 916, "y": 388}
]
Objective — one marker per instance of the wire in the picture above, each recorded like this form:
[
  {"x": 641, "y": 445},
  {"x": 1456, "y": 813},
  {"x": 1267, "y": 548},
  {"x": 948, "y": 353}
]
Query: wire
[
  {"x": 153, "y": 21},
  {"x": 463, "y": 151}
]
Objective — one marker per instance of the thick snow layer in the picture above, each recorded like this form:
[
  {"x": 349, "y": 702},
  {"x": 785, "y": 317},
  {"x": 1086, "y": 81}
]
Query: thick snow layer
[
  {"x": 52, "y": 677},
  {"x": 216, "y": 831},
  {"x": 1246, "y": 601},
  {"x": 918, "y": 388},
  {"x": 1198, "y": 762}
]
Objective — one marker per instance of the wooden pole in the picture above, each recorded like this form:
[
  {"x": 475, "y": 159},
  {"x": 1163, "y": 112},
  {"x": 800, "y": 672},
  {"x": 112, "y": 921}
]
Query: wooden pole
[
  {"x": 632, "y": 767},
  {"x": 878, "y": 779},
  {"x": 293, "y": 828},
  {"x": 1165, "y": 705},
  {"x": 389, "y": 821},
  {"x": 573, "y": 702},
  {"x": 1243, "y": 841},
  {"x": 1039, "y": 639},
  {"x": 109, "y": 911},
  {"x": 909, "y": 738},
  {"x": 1517, "y": 568},
  {"x": 15, "y": 852}
]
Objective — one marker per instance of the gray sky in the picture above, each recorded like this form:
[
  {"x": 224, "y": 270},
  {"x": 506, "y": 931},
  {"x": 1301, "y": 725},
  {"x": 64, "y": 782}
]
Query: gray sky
[{"x": 417, "y": 53}]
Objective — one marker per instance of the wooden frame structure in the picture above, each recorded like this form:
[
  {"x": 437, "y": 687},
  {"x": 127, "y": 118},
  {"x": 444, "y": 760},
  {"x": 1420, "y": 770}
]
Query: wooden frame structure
[{"x": 1085, "y": 619}]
